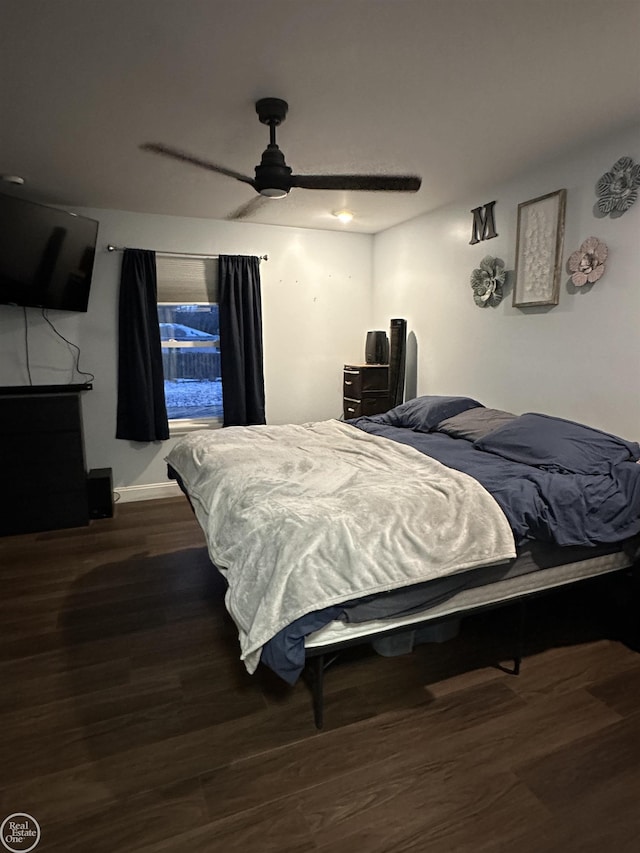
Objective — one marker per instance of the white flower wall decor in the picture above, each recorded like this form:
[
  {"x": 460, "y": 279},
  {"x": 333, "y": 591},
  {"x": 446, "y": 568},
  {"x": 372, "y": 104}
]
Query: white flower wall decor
[
  {"x": 617, "y": 189},
  {"x": 487, "y": 282},
  {"x": 586, "y": 264}
]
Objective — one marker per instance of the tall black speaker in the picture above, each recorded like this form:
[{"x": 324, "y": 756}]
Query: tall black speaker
[{"x": 397, "y": 358}]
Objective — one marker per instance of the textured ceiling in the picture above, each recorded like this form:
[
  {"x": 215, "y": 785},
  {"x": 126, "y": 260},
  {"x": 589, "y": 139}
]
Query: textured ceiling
[{"x": 465, "y": 93}]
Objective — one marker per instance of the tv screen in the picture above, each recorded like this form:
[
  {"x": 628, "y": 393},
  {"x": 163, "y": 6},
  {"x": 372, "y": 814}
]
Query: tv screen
[{"x": 46, "y": 256}]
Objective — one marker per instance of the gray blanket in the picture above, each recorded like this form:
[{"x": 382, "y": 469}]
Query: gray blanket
[{"x": 301, "y": 517}]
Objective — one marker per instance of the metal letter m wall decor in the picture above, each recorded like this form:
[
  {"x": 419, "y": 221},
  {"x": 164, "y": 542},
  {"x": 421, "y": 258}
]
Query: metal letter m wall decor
[{"x": 484, "y": 224}]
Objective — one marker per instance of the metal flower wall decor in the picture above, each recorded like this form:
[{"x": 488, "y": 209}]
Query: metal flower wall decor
[
  {"x": 487, "y": 282},
  {"x": 617, "y": 189},
  {"x": 586, "y": 265}
]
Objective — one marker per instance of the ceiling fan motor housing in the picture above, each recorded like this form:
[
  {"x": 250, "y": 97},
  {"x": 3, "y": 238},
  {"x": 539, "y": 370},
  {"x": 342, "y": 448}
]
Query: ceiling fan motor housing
[{"x": 273, "y": 176}]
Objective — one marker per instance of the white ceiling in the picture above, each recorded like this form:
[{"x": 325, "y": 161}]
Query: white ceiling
[{"x": 465, "y": 93}]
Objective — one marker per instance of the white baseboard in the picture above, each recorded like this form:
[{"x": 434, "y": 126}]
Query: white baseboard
[{"x": 151, "y": 491}]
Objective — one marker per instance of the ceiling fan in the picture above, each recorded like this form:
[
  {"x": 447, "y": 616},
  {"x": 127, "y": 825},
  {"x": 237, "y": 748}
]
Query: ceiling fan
[{"x": 274, "y": 179}]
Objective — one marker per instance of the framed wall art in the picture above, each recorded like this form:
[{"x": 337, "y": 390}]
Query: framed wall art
[{"x": 539, "y": 250}]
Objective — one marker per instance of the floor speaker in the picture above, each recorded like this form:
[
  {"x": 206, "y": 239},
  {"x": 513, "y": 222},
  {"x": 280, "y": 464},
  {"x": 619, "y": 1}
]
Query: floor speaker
[
  {"x": 397, "y": 358},
  {"x": 100, "y": 493}
]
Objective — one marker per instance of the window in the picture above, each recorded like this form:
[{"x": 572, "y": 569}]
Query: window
[{"x": 190, "y": 340}]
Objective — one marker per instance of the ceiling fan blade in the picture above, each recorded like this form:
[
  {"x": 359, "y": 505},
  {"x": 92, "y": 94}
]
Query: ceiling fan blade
[
  {"x": 247, "y": 209},
  {"x": 374, "y": 183},
  {"x": 176, "y": 154}
]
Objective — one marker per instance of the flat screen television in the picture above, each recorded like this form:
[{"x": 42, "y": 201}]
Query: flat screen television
[{"x": 46, "y": 256}]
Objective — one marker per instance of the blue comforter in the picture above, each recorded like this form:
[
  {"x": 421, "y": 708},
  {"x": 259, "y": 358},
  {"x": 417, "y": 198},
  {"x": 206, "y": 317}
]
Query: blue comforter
[
  {"x": 556, "y": 481},
  {"x": 555, "y": 506}
]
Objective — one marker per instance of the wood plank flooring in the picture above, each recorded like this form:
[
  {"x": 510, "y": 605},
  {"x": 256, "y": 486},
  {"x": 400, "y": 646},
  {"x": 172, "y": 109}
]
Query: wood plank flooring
[{"x": 128, "y": 722}]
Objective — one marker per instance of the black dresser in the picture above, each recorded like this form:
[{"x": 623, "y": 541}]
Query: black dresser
[
  {"x": 365, "y": 389},
  {"x": 42, "y": 458}
]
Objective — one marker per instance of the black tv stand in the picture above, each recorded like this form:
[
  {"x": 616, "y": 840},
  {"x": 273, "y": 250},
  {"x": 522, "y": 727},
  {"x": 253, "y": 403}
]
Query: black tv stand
[
  {"x": 13, "y": 390},
  {"x": 43, "y": 467}
]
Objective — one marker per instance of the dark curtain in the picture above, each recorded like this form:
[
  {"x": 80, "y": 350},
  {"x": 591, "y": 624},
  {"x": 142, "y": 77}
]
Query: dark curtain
[
  {"x": 142, "y": 413},
  {"x": 240, "y": 304}
]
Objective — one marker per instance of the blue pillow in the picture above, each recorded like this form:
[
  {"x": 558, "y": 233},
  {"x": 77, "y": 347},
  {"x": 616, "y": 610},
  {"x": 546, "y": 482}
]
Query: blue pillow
[
  {"x": 424, "y": 413},
  {"x": 474, "y": 423},
  {"x": 558, "y": 445}
]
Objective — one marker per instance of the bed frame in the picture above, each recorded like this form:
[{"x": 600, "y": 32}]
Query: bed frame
[{"x": 324, "y": 646}]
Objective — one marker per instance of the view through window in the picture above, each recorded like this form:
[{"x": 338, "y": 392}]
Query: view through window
[{"x": 190, "y": 340}]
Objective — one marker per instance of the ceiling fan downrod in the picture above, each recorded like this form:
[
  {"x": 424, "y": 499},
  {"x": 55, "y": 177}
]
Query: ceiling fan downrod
[{"x": 273, "y": 176}]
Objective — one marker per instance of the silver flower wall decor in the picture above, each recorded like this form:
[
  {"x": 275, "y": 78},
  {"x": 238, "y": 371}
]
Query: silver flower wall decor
[
  {"x": 487, "y": 282},
  {"x": 586, "y": 265},
  {"x": 617, "y": 189}
]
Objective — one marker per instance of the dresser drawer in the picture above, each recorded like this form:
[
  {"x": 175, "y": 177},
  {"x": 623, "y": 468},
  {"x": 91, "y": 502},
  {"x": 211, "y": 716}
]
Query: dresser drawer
[
  {"x": 365, "y": 406},
  {"x": 365, "y": 380}
]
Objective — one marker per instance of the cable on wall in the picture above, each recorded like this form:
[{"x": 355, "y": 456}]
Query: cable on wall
[{"x": 77, "y": 369}]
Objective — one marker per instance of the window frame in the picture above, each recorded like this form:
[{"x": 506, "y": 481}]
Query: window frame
[
  {"x": 183, "y": 426},
  {"x": 188, "y": 279}
]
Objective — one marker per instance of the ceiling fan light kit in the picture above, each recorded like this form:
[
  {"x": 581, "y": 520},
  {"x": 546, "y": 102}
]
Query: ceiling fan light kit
[
  {"x": 274, "y": 178},
  {"x": 345, "y": 216}
]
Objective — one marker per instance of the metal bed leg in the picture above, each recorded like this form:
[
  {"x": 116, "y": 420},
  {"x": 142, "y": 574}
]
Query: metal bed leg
[
  {"x": 522, "y": 607},
  {"x": 317, "y": 685},
  {"x": 517, "y": 658}
]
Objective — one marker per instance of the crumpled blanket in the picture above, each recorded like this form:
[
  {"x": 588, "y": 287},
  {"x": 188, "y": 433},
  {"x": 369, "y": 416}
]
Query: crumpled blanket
[{"x": 300, "y": 517}]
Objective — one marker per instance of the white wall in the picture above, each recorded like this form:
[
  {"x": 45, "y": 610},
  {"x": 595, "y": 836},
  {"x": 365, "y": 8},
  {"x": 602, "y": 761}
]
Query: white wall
[
  {"x": 323, "y": 290},
  {"x": 316, "y": 291},
  {"x": 579, "y": 359}
]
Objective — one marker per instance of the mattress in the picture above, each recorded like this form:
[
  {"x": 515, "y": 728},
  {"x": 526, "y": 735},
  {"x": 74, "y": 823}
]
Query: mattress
[
  {"x": 531, "y": 558},
  {"x": 339, "y": 633}
]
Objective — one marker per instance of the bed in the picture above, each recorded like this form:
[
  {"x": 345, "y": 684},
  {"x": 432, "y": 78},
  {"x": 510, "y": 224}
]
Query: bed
[{"x": 388, "y": 529}]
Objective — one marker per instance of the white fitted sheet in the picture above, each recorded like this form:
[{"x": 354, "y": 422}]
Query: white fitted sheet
[{"x": 469, "y": 599}]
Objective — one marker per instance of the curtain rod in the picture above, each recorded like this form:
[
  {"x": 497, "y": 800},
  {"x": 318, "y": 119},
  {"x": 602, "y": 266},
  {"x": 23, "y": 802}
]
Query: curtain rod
[{"x": 111, "y": 248}]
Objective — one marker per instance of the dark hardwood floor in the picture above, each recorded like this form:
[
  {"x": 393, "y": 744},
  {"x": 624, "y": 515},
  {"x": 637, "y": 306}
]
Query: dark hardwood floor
[{"x": 128, "y": 722}]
